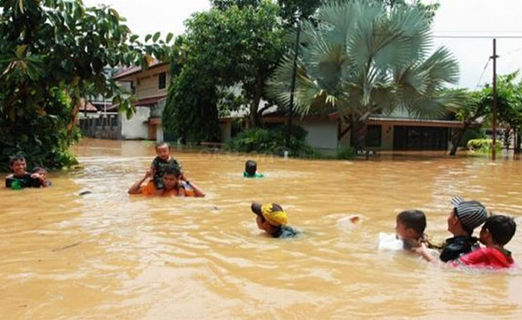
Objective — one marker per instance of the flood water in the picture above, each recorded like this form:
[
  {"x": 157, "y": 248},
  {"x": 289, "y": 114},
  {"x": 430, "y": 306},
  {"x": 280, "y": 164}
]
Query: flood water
[{"x": 108, "y": 255}]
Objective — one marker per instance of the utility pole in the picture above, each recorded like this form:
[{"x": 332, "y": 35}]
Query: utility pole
[
  {"x": 292, "y": 90},
  {"x": 494, "y": 144}
]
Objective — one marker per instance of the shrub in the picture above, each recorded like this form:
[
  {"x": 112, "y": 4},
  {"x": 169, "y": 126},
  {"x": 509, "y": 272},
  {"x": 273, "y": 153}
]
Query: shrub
[
  {"x": 483, "y": 145},
  {"x": 472, "y": 134},
  {"x": 273, "y": 141},
  {"x": 346, "y": 153}
]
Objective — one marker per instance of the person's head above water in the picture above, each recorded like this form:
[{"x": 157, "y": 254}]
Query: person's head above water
[
  {"x": 163, "y": 150},
  {"x": 498, "y": 230},
  {"x": 251, "y": 167},
  {"x": 466, "y": 216},
  {"x": 411, "y": 225},
  {"x": 270, "y": 216},
  {"x": 171, "y": 177},
  {"x": 18, "y": 165},
  {"x": 40, "y": 170}
]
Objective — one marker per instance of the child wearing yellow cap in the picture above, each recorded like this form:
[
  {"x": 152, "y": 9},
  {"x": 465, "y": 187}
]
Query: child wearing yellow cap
[{"x": 272, "y": 219}]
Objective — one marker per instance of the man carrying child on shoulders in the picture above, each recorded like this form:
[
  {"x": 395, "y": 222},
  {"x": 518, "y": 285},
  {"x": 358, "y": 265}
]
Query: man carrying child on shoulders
[{"x": 175, "y": 184}]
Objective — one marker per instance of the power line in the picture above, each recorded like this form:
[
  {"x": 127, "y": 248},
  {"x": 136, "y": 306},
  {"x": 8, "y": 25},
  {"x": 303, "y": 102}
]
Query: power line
[
  {"x": 483, "y": 71},
  {"x": 478, "y": 37},
  {"x": 479, "y": 31},
  {"x": 511, "y": 52}
]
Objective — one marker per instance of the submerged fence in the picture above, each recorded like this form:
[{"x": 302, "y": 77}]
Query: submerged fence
[{"x": 102, "y": 126}]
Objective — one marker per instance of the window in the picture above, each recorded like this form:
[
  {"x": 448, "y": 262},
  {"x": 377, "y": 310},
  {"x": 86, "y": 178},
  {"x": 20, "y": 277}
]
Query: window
[
  {"x": 373, "y": 136},
  {"x": 420, "y": 138},
  {"x": 162, "y": 80},
  {"x": 133, "y": 88}
]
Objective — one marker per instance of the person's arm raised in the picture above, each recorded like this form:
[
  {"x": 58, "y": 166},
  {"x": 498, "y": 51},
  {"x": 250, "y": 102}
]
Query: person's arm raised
[{"x": 136, "y": 187}]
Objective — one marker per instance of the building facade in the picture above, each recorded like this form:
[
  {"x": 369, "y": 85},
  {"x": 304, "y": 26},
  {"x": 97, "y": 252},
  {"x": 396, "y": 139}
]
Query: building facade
[
  {"x": 397, "y": 131},
  {"x": 150, "y": 87}
]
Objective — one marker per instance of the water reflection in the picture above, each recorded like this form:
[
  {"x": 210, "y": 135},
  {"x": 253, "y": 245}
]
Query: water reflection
[{"x": 106, "y": 254}]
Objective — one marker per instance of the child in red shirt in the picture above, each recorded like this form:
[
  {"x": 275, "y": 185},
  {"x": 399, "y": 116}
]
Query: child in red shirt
[{"x": 496, "y": 232}]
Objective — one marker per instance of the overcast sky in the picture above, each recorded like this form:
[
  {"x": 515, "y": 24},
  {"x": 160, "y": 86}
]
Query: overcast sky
[{"x": 454, "y": 18}]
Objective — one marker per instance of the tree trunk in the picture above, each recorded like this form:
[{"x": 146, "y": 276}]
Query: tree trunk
[
  {"x": 507, "y": 138},
  {"x": 518, "y": 140},
  {"x": 457, "y": 138},
  {"x": 74, "y": 114},
  {"x": 255, "y": 117},
  {"x": 358, "y": 135}
]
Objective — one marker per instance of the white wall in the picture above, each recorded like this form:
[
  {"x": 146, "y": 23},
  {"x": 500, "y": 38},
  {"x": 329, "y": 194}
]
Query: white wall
[
  {"x": 136, "y": 127},
  {"x": 322, "y": 134}
]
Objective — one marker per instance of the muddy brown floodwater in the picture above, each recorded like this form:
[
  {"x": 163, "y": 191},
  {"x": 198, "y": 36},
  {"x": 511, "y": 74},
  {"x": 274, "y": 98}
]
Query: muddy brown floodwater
[{"x": 108, "y": 255}]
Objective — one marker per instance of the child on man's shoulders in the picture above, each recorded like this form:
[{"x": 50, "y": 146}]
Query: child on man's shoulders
[{"x": 163, "y": 160}]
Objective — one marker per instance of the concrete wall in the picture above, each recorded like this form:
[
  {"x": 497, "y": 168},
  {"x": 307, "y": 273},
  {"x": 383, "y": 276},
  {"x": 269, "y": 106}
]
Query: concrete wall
[
  {"x": 137, "y": 127},
  {"x": 322, "y": 134}
]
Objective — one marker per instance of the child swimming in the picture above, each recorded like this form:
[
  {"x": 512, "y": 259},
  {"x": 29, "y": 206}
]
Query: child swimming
[
  {"x": 410, "y": 226},
  {"x": 250, "y": 170},
  {"x": 497, "y": 231},
  {"x": 272, "y": 219},
  {"x": 42, "y": 175},
  {"x": 462, "y": 220}
]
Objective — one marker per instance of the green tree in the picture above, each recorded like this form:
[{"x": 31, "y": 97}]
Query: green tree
[
  {"x": 234, "y": 48},
  {"x": 509, "y": 106},
  {"x": 190, "y": 112},
  {"x": 365, "y": 58},
  {"x": 293, "y": 10},
  {"x": 475, "y": 105},
  {"x": 52, "y": 52},
  {"x": 227, "y": 4},
  {"x": 479, "y": 107}
]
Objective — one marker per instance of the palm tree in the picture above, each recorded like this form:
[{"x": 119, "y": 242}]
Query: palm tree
[{"x": 364, "y": 58}]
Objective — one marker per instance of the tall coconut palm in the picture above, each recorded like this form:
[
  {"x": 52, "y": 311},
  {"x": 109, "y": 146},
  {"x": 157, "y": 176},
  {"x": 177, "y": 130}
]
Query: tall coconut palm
[{"x": 363, "y": 58}]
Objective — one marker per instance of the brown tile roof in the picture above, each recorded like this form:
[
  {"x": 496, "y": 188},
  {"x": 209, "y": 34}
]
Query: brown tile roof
[{"x": 146, "y": 102}]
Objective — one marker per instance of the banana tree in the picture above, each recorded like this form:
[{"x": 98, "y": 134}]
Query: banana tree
[{"x": 364, "y": 58}]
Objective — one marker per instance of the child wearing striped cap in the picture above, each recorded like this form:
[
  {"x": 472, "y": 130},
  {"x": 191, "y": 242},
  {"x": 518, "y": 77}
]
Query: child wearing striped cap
[
  {"x": 495, "y": 233},
  {"x": 462, "y": 220}
]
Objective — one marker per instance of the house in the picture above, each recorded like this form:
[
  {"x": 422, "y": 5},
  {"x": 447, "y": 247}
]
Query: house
[
  {"x": 326, "y": 131},
  {"x": 397, "y": 131},
  {"x": 150, "y": 89}
]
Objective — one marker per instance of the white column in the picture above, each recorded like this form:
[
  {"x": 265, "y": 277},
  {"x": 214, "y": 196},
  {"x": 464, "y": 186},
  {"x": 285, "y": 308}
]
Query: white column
[{"x": 159, "y": 133}]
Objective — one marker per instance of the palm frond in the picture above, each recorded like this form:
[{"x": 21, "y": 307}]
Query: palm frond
[{"x": 361, "y": 57}]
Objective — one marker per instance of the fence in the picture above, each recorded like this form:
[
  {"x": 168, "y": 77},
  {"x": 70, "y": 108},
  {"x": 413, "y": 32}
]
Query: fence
[{"x": 102, "y": 126}]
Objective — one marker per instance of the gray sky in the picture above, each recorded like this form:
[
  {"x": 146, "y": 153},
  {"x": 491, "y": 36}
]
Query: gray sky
[{"x": 454, "y": 18}]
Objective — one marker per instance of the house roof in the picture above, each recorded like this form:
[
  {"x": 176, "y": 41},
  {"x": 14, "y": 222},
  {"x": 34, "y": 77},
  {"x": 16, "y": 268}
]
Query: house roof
[
  {"x": 134, "y": 70},
  {"x": 146, "y": 102},
  {"x": 413, "y": 122},
  {"x": 277, "y": 117},
  {"x": 149, "y": 101}
]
